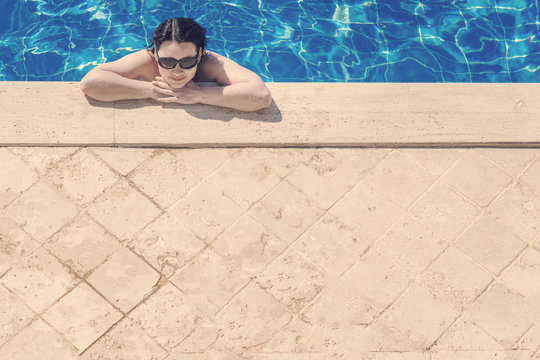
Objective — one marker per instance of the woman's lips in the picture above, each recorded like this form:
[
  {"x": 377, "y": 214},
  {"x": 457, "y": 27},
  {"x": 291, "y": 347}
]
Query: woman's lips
[{"x": 177, "y": 79}]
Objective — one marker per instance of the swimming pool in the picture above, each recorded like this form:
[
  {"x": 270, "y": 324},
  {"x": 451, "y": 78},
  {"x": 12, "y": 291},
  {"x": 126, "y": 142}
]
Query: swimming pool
[{"x": 286, "y": 40}]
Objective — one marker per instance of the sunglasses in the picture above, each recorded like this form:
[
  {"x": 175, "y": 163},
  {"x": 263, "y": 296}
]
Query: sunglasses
[{"x": 184, "y": 63}]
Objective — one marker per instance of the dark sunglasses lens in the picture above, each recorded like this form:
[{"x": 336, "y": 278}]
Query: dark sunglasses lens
[
  {"x": 167, "y": 63},
  {"x": 188, "y": 63}
]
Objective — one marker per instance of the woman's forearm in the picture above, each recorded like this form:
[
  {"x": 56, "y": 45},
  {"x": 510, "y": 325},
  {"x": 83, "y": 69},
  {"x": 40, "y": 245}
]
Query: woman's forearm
[
  {"x": 108, "y": 86},
  {"x": 243, "y": 96}
]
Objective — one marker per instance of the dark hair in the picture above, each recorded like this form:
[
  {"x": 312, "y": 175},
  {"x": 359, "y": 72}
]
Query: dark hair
[{"x": 179, "y": 30}]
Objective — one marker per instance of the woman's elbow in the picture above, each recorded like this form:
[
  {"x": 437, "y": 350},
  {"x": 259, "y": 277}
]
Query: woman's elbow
[{"x": 263, "y": 99}]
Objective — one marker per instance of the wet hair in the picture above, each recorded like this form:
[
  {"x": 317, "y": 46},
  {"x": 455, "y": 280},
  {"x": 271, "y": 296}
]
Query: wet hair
[{"x": 179, "y": 30}]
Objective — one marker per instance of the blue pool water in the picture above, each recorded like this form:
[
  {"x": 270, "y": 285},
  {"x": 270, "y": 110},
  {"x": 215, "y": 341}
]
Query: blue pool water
[{"x": 286, "y": 40}]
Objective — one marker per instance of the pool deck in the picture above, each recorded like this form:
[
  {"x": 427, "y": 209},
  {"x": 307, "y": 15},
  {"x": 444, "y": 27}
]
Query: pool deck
[{"x": 347, "y": 221}]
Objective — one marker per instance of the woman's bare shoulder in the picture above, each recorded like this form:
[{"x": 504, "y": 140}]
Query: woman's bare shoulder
[
  {"x": 139, "y": 64},
  {"x": 222, "y": 70}
]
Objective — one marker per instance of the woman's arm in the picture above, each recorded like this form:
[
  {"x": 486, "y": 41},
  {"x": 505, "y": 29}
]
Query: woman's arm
[{"x": 116, "y": 80}]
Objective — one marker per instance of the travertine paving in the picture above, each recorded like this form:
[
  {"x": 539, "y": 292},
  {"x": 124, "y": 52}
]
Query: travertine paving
[{"x": 266, "y": 254}]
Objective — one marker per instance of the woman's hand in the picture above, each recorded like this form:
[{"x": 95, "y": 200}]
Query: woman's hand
[{"x": 162, "y": 92}]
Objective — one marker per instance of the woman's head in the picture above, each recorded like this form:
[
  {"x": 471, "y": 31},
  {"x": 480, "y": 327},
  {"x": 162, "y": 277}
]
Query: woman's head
[{"x": 178, "y": 38}]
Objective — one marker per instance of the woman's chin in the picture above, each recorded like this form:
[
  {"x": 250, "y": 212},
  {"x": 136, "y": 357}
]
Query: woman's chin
[{"x": 176, "y": 83}]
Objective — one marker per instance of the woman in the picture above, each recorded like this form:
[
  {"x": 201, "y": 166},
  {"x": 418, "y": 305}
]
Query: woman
[{"x": 169, "y": 69}]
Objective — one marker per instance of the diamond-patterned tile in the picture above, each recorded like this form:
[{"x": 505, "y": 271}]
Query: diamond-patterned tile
[
  {"x": 165, "y": 178},
  {"x": 482, "y": 355},
  {"x": 123, "y": 210},
  {"x": 125, "y": 341},
  {"x": 503, "y": 314},
  {"x": 478, "y": 178},
  {"x": 249, "y": 245},
  {"x": 250, "y": 320},
  {"x": 360, "y": 296},
  {"x": 203, "y": 161},
  {"x": 512, "y": 161},
  {"x": 456, "y": 279},
  {"x": 281, "y": 160},
  {"x": 42, "y": 158},
  {"x": 411, "y": 245},
  {"x": 206, "y": 212},
  {"x": 167, "y": 245},
  {"x": 532, "y": 175},
  {"x": 464, "y": 335},
  {"x": 82, "y": 316},
  {"x": 206, "y": 334},
  {"x": 300, "y": 336},
  {"x": 15, "y": 244},
  {"x": 491, "y": 244},
  {"x": 333, "y": 245},
  {"x": 420, "y": 315},
  {"x": 38, "y": 341},
  {"x": 436, "y": 161},
  {"x": 444, "y": 211},
  {"x": 524, "y": 274},
  {"x": 210, "y": 281},
  {"x": 292, "y": 279},
  {"x": 124, "y": 279},
  {"x": 16, "y": 176},
  {"x": 81, "y": 177},
  {"x": 287, "y": 211},
  {"x": 82, "y": 245},
  {"x": 518, "y": 208},
  {"x": 400, "y": 179},
  {"x": 245, "y": 180},
  {"x": 39, "y": 280},
  {"x": 166, "y": 316},
  {"x": 123, "y": 160},
  {"x": 367, "y": 211},
  {"x": 14, "y": 315},
  {"x": 41, "y": 211}
]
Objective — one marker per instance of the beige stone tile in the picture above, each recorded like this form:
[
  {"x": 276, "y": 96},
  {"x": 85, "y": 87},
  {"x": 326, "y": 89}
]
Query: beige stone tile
[
  {"x": 14, "y": 315},
  {"x": 123, "y": 160},
  {"x": 502, "y": 313},
  {"x": 82, "y": 316},
  {"x": 456, "y": 279},
  {"x": 478, "y": 178},
  {"x": 444, "y": 211},
  {"x": 250, "y": 320},
  {"x": 281, "y": 160},
  {"x": 464, "y": 335},
  {"x": 81, "y": 177},
  {"x": 327, "y": 175},
  {"x": 82, "y": 245},
  {"x": 210, "y": 281},
  {"x": 334, "y": 246},
  {"x": 30, "y": 117},
  {"x": 166, "y": 245},
  {"x": 281, "y": 356},
  {"x": 211, "y": 354},
  {"x": 530, "y": 341},
  {"x": 38, "y": 341},
  {"x": 360, "y": 296},
  {"x": 165, "y": 178},
  {"x": 42, "y": 158},
  {"x": 15, "y": 244},
  {"x": 482, "y": 355},
  {"x": 411, "y": 245},
  {"x": 414, "y": 355},
  {"x": 400, "y": 179},
  {"x": 301, "y": 336},
  {"x": 491, "y": 244},
  {"x": 41, "y": 211},
  {"x": 287, "y": 211},
  {"x": 16, "y": 176},
  {"x": 436, "y": 161},
  {"x": 202, "y": 339},
  {"x": 123, "y": 210},
  {"x": 293, "y": 279},
  {"x": 367, "y": 211},
  {"x": 206, "y": 212},
  {"x": 524, "y": 274},
  {"x": 245, "y": 179},
  {"x": 532, "y": 175},
  {"x": 249, "y": 245},
  {"x": 125, "y": 341},
  {"x": 512, "y": 161},
  {"x": 124, "y": 279},
  {"x": 420, "y": 315},
  {"x": 518, "y": 208},
  {"x": 166, "y": 316},
  {"x": 39, "y": 280},
  {"x": 378, "y": 337},
  {"x": 204, "y": 161}
]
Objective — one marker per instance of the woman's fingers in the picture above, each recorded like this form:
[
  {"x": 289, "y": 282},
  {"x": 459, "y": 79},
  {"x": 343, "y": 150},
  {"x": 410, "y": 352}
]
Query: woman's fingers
[{"x": 162, "y": 91}]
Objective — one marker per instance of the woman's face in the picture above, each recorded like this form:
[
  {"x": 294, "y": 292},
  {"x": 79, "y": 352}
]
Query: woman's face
[{"x": 177, "y": 77}]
